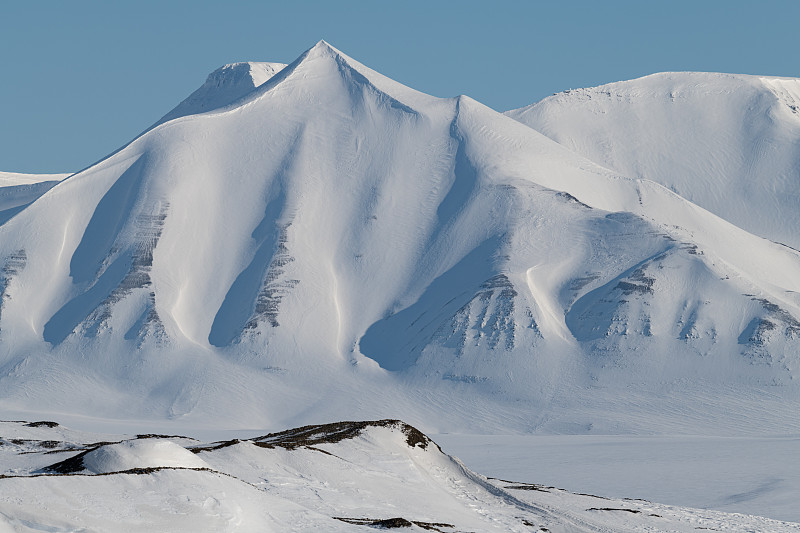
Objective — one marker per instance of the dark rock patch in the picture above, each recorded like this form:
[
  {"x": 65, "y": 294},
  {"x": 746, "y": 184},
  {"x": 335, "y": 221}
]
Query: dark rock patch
[
  {"x": 633, "y": 511},
  {"x": 42, "y": 423},
  {"x": 69, "y": 466},
  {"x": 393, "y": 523},
  {"x": 313, "y": 435}
]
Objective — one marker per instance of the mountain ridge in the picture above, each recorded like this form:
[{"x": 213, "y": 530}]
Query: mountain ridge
[
  {"x": 225, "y": 86},
  {"x": 724, "y": 141}
]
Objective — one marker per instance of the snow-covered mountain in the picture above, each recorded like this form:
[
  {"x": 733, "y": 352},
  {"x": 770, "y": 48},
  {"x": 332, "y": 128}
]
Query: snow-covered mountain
[
  {"x": 345, "y": 476},
  {"x": 727, "y": 142},
  {"x": 15, "y": 179},
  {"x": 331, "y": 244},
  {"x": 224, "y": 87},
  {"x": 17, "y": 191}
]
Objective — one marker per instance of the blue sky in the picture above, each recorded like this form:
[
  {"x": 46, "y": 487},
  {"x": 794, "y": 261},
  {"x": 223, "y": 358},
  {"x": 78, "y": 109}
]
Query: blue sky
[{"x": 81, "y": 78}]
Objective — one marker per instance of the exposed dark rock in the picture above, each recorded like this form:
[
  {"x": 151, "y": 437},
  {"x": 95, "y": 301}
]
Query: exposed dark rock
[
  {"x": 311, "y": 436},
  {"x": 157, "y": 436},
  {"x": 634, "y": 511},
  {"x": 13, "y": 266},
  {"x": 488, "y": 317},
  {"x": 637, "y": 283},
  {"x": 42, "y": 423},
  {"x": 567, "y": 196},
  {"x": 69, "y": 466},
  {"x": 392, "y": 523},
  {"x": 273, "y": 288},
  {"x": 148, "y": 233},
  {"x": 540, "y": 488}
]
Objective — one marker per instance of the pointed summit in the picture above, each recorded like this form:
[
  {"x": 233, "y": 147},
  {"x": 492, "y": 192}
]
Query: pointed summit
[
  {"x": 323, "y": 46},
  {"x": 326, "y": 61},
  {"x": 324, "y": 50}
]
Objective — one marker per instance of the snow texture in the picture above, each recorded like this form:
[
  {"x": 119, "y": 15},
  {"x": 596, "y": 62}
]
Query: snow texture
[{"x": 317, "y": 242}]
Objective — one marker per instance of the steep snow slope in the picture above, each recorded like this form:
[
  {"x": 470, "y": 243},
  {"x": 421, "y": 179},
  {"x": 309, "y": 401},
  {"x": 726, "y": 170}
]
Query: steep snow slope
[
  {"x": 334, "y": 231},
  {"x": 346, "y": 476},
  {"x": 729, "y": 143}
]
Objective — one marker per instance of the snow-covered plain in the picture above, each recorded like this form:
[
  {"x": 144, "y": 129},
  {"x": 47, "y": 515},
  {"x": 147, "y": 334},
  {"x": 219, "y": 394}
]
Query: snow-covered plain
[
  {"x": 316, "y": 242},
  {"x": 750, "y": 475}
]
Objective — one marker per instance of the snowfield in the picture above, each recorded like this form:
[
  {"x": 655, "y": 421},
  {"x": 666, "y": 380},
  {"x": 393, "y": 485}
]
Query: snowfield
[
  {"x": 296, "y": 244},
  {"x": 346, "y": 476},
  {"x": 748, "y": 475}
]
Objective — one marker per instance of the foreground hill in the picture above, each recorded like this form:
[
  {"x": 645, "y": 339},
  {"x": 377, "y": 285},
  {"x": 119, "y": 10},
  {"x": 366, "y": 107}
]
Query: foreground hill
[
  {"x": 345, "y": 476},
  {"x": 727, "y": 142},
  {"x": 334, "y": 244}
]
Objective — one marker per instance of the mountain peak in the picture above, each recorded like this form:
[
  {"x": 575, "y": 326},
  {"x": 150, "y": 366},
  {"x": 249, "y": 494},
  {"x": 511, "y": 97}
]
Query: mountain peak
[
  {"x": 248, "y": 73},
  {"x": 322, "y": 59},
  {"x": 224, "y": 86},
  {"x": 323, "y": 45},
  {"x": 324, "y": 50}
]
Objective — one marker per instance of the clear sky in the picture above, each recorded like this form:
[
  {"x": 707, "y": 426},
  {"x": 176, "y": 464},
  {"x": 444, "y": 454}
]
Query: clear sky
[{"x": 80, "y": 78}]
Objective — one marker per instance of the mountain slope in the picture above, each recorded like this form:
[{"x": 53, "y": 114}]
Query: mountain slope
[
  {"x": 334, "y": 231},
  {"x": 729, "y": 143},
  {"x": 18, "y": 191},
  {"x": 15, "y": 179},
  {"x": 223, "y": 87}
]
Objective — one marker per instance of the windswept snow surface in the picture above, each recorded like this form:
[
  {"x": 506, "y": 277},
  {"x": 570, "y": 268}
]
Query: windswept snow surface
[
  {"x": 346, "y": 476},
  {"x": 729, "y": 143}
]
